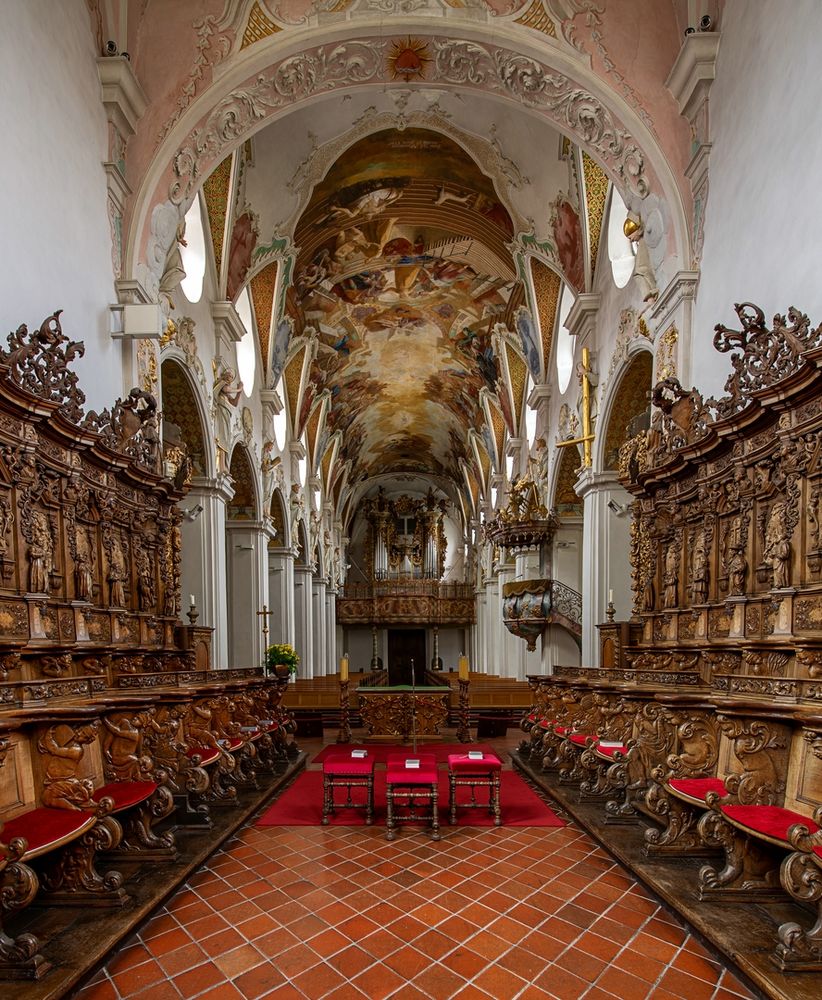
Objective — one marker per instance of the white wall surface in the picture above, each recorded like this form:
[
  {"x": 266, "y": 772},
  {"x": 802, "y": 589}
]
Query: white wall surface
[
  {"x": 762, "y": 227},
  {"x": 56, "y": 248}
]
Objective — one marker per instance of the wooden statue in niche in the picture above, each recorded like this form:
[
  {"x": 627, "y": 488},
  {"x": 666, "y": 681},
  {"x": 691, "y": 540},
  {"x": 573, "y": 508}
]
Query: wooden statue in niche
[
  {"x": 40, "y": 552},
  {"x": 736, "y": 564},
  {"x": 670, "y": 576},
  {"x": 699, "y": 568},
  {"x": 117, "y": 576},
  {"x": 778, "y": 546}
]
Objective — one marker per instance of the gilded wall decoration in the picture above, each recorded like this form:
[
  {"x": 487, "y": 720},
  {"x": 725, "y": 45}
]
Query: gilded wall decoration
[
  {"x": 596, "y": 194},
  {"x": 630, "y": 403},
  {"x": 215, "y": 194},
  {"x": 666, "y": 354},
  {"x": 547, "y": 288},
  {"x": 258, "y": 26}
]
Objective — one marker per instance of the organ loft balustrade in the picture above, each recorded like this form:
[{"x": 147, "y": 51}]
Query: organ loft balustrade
[{"x": 407, "y": 601}]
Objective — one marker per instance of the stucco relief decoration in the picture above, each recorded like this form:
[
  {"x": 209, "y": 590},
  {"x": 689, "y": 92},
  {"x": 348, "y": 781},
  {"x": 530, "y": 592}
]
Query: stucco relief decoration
[
  {"x": 456, "y": 62},
  {"x": 407, "y": 60}
]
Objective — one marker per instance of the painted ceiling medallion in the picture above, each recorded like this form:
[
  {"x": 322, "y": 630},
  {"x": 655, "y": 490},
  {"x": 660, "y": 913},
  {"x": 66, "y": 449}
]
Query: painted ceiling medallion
[{"x": 408, "y": 58}]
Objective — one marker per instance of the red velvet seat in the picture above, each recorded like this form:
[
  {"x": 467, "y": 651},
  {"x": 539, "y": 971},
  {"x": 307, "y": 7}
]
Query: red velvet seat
[
  {"x": 126, "y": 793},
  {"x": 418, "y": 785},
  {"x": 207, "y": 755},
  {"x": 560, "y": 730},
  {"x": 231, "y": 743},
  {"x": 341, "y": 770},
  {"x": 770, "y": 823},
  {"x": 474, "y": 765},
  {"x": 44, "y": 829},
  {"x": 608, "y": 751},
  {"x": 694, "y": 790},
  {"x": 580, "y": 739},
  {"x": 473, "y": 773}
]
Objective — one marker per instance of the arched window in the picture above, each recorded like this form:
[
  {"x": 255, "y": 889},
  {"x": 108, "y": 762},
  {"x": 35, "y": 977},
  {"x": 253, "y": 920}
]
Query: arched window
[
  {"x": 246, "y": 349},
  {"x": 193, "y": 253},
  {"x": 280, "y": 423},
  {"x": 565, "y": 342},
  {"x": 621, "y": 251}
]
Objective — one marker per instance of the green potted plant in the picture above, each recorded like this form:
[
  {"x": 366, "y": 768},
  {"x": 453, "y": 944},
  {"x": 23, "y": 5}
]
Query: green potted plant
[{"x": 281, "y": 659}]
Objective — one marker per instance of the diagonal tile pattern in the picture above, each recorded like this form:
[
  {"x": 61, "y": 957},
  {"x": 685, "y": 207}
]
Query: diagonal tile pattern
[{"x": 485, "y": 914}]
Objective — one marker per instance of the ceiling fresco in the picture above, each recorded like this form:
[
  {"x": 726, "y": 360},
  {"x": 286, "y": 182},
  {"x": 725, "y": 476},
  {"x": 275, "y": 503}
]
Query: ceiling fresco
[{"x": 402, "y": 276}]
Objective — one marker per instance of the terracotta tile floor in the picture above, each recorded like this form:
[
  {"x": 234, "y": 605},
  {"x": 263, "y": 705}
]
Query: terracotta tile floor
[{"x": 339, "y": 912}]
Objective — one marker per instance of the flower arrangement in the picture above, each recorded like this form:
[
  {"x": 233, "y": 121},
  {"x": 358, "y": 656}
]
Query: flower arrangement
[{"x": 282, "y": 653}]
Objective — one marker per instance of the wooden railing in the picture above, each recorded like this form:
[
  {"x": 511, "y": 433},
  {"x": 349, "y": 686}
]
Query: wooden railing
[{"x": 408, "y": 602}]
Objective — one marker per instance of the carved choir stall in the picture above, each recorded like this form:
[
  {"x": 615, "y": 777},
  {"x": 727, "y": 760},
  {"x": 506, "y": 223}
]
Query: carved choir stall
[
  {"x": 702, "y": 729},
  {"x": 119, "y": 748}
]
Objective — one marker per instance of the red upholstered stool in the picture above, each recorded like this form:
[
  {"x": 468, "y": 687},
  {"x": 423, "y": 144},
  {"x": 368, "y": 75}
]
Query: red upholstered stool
[
  {"x": 344, "y": 771},
  {"x": 418, "y": 785},
  {"x": 475, "y": 772}
]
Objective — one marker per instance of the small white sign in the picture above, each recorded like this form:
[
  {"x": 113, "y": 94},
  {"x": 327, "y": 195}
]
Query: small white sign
[
  {"x": 610, "y": 743},
  {"x": 359, "y": 754},
  {"x": 475, "y": 755},
  {"x": 412, "y": 763}
]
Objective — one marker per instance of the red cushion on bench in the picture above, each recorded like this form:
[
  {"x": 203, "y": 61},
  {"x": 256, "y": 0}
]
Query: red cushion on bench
[
  {"x": 45, "y": 828},
  {"x": 398, "y": 773},
  {"x": 207, "y": 755},
  {"x": 465, "y": 764},
  {"x": 768, "y": 821},
  {"x": 230, "y": 743},
  {"x": 580, "y": 739},
  {"x": 348, "y": 765},
  {"x": 560, "y": 730},
  {"x": 695, "y": 789},
  {"x": 126, "y": 793},
  {"x": 610, "y": 751}
]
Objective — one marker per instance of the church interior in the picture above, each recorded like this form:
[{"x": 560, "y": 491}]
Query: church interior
[{"x": 410, "y": 500}]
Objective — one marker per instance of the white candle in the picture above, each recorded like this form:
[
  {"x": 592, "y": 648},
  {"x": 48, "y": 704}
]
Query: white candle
[
  {"x": 610, "y": 597},
  {"x": 191, "y": 599}
]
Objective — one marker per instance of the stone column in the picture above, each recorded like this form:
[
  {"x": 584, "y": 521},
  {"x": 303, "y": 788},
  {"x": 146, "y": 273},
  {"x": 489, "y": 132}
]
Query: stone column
[
  {"x": 281, "y": 595},
  {"x": 512, "y": 648},
  {"x": 606, "y": 547},
  {"x": 247, "y": 588},
  {"x": 203, "y": 569},
  {"x": 318, "y": 626},
  {"x": 303, "y": 628},
  {"x": 490, "y": 629},
  {"x": 332, "y": 656}
]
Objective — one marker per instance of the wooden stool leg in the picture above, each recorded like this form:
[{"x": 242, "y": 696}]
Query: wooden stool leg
[
  {"x": 369, "y": 801},
  {"x": 435, "y": 813},
  {"x": 328, "y": 793},
  {"x": 390, "y": 824},
  {"x": 452, "y": 798},
  {"x": 495, "y": 783}
]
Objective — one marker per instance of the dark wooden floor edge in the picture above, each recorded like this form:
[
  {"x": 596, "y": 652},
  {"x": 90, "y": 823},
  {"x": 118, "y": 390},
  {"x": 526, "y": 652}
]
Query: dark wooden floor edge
[
  {"x": 62, "y": 982},
  {"x": 671, "y": 903}
]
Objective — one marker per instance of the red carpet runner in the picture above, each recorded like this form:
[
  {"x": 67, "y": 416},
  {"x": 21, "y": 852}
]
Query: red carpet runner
[{"x": 301, "y": 804}]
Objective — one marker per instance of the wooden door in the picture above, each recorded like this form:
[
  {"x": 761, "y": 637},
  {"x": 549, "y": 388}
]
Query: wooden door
[{"x": 405, "y": 645}]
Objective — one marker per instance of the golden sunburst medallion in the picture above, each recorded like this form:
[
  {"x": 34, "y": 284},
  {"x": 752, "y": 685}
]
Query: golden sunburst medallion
[{"x": 408, "y": 58}]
